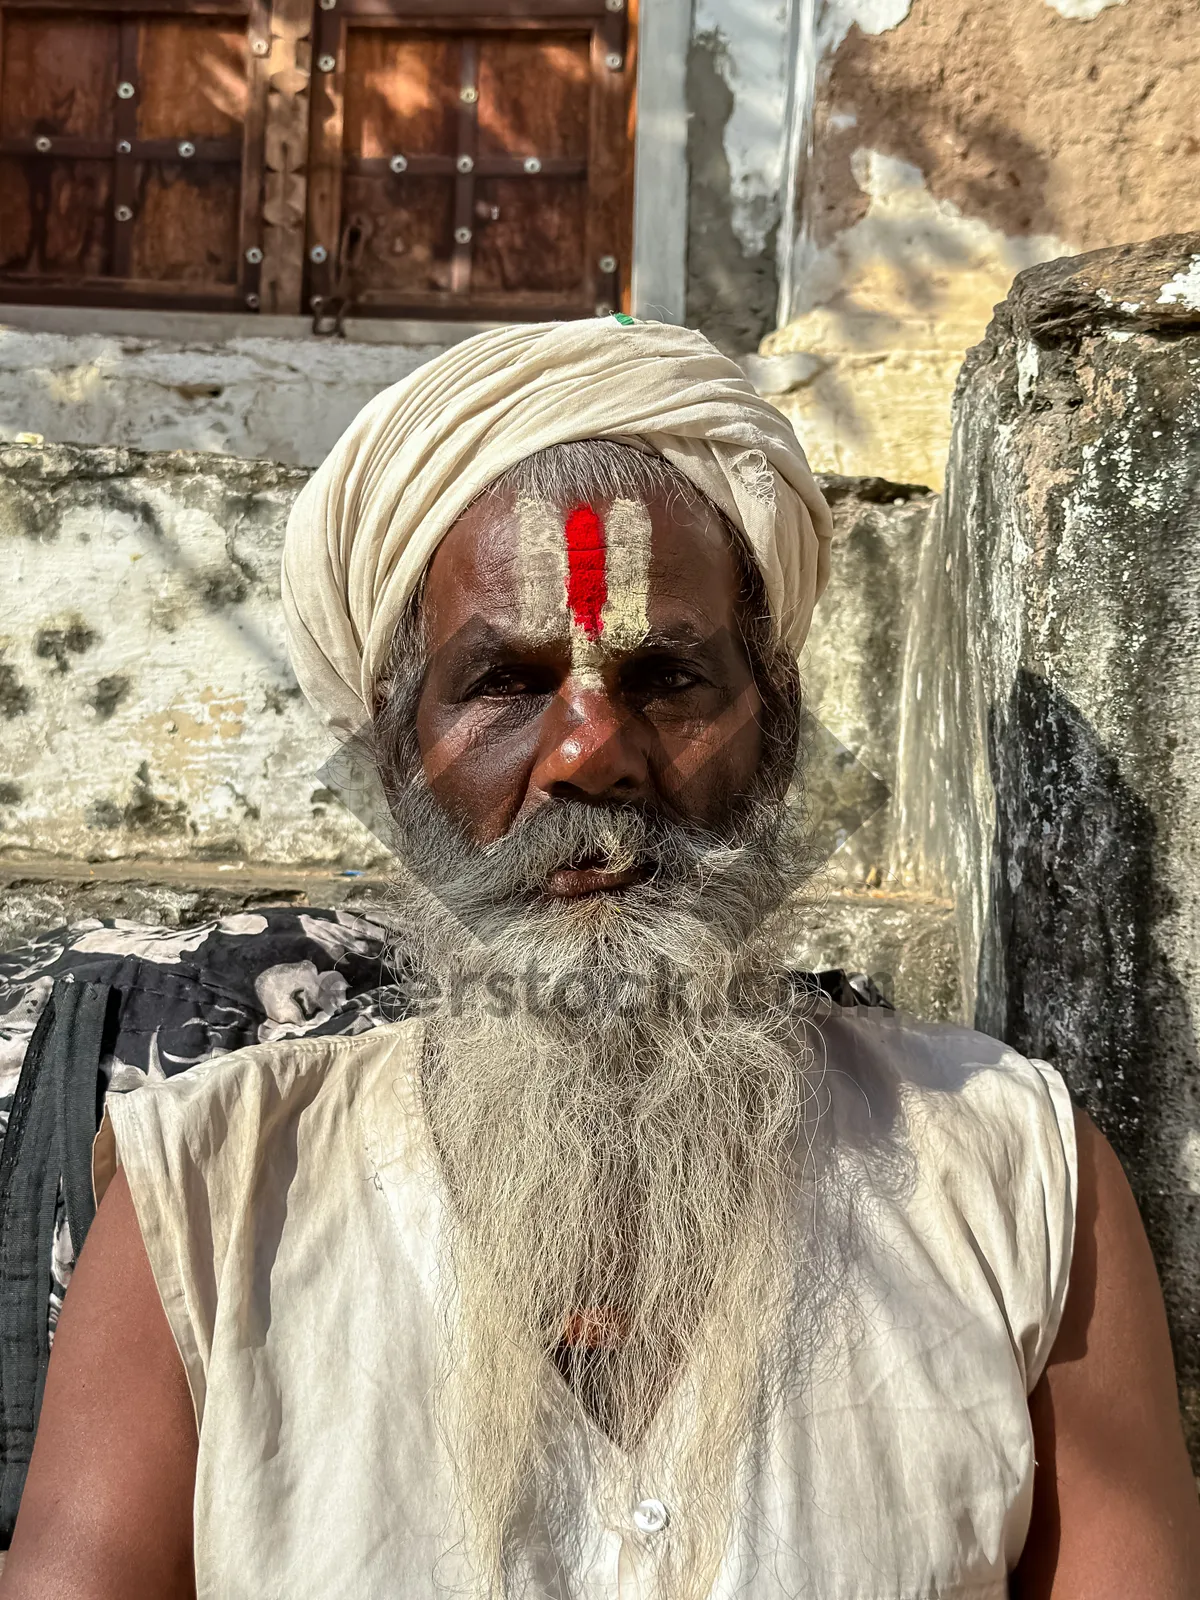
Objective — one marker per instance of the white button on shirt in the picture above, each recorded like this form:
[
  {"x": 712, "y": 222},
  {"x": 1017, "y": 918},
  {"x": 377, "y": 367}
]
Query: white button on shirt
[{"x": 650, "y": 1516}]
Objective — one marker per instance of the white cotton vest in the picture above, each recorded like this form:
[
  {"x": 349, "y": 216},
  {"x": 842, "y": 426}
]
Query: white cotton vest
[{"x": 291, "y": 1208}]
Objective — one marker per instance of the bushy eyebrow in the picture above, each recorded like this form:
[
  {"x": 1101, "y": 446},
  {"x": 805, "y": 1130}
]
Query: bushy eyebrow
[
  {"x": 679, "y": 636},
  {"x": 491, "y": 646}
]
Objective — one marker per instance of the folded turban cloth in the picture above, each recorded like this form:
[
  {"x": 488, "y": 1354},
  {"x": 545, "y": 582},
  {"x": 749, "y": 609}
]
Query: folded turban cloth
[{"x": 370, "y": 518}]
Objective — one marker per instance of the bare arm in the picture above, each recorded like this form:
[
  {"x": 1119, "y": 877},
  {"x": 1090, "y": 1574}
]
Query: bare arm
[
  {"x": 107, "y": 1509},
  {"x": 1115, "y": 1514}
]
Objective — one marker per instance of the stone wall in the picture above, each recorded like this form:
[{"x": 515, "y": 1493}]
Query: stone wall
[
  {"x": 158, "y": 761},
  {"x": 903, "y": 931},
  {"x": 190, "y": 386},
  {"x": 956, "y": 142},
  {"x": 148, "y": 706},
  {"x": 1051, "y": 771}
]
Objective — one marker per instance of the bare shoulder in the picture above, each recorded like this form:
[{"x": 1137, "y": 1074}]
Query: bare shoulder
[
  {"x": 107, "y": 1508},
  {"x": 1115, "y": 1505}
]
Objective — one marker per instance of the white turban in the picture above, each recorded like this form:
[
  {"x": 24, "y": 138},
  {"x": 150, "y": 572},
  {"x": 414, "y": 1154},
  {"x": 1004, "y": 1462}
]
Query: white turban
[{"x": 368, "y": 521}]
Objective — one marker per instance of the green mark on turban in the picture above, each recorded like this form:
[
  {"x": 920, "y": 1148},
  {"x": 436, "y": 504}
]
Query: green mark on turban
[{"x": 624, "y": 319}]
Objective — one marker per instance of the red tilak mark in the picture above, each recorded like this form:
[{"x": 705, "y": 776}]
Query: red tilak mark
[{"x": 587, "y": 586}]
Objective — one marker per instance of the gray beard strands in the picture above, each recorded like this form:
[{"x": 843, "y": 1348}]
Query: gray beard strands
[
  {"x": 640, "y": 1154},
  {"x": 735, "y": 881}
]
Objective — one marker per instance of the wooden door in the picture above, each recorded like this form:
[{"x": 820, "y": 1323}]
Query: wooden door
[
  {"x": 470, "y": 159},
  {"x": 130, "y": 152},
  {"x": 447, "y": 158}
]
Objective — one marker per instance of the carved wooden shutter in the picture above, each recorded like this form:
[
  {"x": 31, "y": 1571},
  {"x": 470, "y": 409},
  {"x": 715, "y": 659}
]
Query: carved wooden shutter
[
  {"x": 470, "y": 159},
  {"x": 130, "y": 153}
]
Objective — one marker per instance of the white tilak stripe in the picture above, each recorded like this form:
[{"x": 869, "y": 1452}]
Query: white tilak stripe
[
  {"x": 587, "y": 658},
  {"x": 541, "y": 568},
  {"x": 627, "y": 533}
]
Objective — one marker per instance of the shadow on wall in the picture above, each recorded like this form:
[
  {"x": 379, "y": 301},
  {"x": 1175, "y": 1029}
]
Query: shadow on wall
[
  {"x": 971, "y": 157},
  {"x": 1071, "y": 969},
  {"x": 730, "y": 295},
  {"x": 893, "y": 303},
  {"x": 902, "y": 263},
  {"x": 1026, "y": 119},
  {"x": 945, "y": 162}
]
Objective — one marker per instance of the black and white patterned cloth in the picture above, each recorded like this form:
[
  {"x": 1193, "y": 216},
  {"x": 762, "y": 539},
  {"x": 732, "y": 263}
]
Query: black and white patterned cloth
[
  {"x": 106, "y": 1005},
  {"x": 185, "y": 995}
]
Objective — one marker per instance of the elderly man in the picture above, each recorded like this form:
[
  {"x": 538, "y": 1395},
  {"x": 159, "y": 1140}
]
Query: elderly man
[{"x": 629, "y": 1264}]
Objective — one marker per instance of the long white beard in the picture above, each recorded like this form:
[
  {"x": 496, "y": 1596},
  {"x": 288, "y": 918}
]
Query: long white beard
[{"x": 656, "y": 1170}]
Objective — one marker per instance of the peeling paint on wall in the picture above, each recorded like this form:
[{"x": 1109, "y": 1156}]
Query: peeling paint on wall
[
  {"x": 957, "y": 141},
  {"x": 738, "y": 96},
  {"x": 730, "y": 295},
  {"x": 894, "y": 302},
  {"x": 748, "y": 40},
  {"x": 1082, "y": 10},
  {"x": 870, "y": 16}
]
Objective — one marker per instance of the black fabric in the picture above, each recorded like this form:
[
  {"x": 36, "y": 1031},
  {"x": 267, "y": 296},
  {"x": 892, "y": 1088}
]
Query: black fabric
[
  {"x": 103, "y": 1002},
  {"x": 80, "y": 1013},
  {"x": 843, "y": 988},
  {"x": 28, "y": 1192}
]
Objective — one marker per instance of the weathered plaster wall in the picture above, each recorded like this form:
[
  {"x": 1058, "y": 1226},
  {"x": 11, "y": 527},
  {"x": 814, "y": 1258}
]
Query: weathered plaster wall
[
  {"x": 146, "y": 703},
  {"x": 736, "y": 93},
  {"x": 852, "y": 667},
  {"x": 747, "y": 85},
  {"x": 746, "y": 41},
  {"x": 958, "y": 143},
  {"x": 1051, "y": 767},
  {"x": 852, "y": 663},
  {"x": 279, "y": 399}
]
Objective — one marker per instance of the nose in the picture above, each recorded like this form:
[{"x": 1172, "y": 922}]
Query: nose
[{"x": 590, "y": 749}]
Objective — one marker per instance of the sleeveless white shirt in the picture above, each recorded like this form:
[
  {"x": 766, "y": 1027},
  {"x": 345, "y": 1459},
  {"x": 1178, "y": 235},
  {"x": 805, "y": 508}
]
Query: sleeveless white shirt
[{"x": 290, "y": 1205}]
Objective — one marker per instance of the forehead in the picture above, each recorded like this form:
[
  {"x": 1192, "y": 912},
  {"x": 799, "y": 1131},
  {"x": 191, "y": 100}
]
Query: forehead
[{"x": 603, "y": 568}]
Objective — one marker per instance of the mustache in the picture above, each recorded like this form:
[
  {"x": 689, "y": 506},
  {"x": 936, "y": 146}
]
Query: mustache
[
  {"x": 735, "y": 877},
  {"x": 561, "y": 834},
  {"x": 733, "y": 881}
]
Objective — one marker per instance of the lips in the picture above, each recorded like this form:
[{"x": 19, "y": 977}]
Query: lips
[{"x": 570, "y": 883}]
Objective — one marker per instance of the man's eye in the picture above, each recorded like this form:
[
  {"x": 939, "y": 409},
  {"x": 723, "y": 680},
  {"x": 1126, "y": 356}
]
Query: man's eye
[
  {"x": 664, "y": 679},
  {"x": 503, "y": 683},
  {"x": 675, "y": 679}
]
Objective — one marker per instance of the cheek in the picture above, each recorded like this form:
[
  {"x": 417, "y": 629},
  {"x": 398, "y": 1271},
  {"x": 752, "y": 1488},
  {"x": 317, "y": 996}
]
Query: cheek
[
  {"x": 477, "y": 771},
  {"x": 706, "y": 767}
]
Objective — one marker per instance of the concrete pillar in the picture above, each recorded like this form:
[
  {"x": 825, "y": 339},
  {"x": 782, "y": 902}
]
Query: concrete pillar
[{"x": 1053, "y": 735}]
